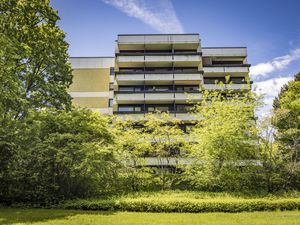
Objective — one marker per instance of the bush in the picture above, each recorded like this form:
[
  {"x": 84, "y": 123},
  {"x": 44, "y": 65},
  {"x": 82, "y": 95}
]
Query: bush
[
  {"x": 61, "y": 155},
  {"x": 185, "y": 203}
]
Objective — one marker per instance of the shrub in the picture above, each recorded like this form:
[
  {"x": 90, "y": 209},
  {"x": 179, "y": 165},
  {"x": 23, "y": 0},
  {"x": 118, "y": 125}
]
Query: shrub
[{"x": 189, "y": 204}]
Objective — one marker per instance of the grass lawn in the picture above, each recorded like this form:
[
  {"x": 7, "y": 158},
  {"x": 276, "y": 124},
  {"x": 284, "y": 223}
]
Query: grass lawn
[{"x": 61, "y": 217}]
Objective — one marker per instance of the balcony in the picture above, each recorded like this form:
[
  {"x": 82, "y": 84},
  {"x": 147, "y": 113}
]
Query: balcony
[
  {"x": 227, "y": 69},
  {"x": 243, "y": 86},
  {"x": 157, "y": 41},
  {"x": 187, "y": 59},
  {"x": 182, "y": 115},
  {"x": 223, "y": 52},
  {"x": 156, "y": 97},
  {"x": 157, "y": 78}
]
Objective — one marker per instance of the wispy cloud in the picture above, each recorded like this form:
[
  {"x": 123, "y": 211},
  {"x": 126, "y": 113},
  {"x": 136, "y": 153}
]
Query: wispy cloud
[
  {"x": 159, "y": 14},
  {"x": 278, "y": 63},
  {"x": 270, "y": 89}
]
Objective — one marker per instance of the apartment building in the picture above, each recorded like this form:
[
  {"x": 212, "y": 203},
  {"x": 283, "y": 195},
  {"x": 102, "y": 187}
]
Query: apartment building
[{"x": 152, "y": 72}]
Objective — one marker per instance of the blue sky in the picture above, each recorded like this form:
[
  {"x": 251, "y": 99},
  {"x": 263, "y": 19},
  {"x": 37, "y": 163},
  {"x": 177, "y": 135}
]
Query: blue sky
[{"x": 270, "y": 29}]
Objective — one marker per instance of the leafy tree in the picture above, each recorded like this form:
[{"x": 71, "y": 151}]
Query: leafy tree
[
  {"x": 35, "y": 72},
  {"x": 226, "y": 143},
  {"x": 287, "y": 123},
  {"x": 270, "y": 157},
  {"x": 166, "y": 143},
  {"x": 62, "y": 155},
  {"x": 130, "y": 146}
]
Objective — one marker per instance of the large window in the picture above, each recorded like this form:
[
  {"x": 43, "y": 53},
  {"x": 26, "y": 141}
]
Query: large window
[
  {"x": 131, "y": 88},
  {"x": 187, "y": 88},
  {"x": 158, "y": 88},
  {"x": 162, "y": 108},
  {"x": 130, "y": 108},
  {"x": 184, "y": 108}
]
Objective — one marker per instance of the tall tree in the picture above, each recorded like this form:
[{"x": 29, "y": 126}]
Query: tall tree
[
  {"x": 166, "y": 143},
  {"x": 226, "y": 141},
  {"x": 287, "y": 123},
  {"x": 61, "y": 155},
  {"x": 130, "y": 145},
  {"x": 35, "y": 72}
]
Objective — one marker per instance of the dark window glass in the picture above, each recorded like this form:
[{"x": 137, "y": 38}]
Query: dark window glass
[
  {"x": 111, "y": 86},
  {"x": 112, "y": 71},
  {"x": 126, "y": 108},
  {"x": 110, "y": 103}
]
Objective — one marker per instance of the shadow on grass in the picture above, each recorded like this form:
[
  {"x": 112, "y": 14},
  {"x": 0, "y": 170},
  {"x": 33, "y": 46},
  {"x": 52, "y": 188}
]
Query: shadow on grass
[{"x": 17, "y": 215}]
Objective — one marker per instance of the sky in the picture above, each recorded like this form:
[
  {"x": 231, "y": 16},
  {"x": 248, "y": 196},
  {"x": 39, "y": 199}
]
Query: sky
[{"x": 270, "y": 29}]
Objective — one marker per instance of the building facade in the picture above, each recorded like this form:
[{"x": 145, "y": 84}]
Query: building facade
[{"x": 155, "y": 72}]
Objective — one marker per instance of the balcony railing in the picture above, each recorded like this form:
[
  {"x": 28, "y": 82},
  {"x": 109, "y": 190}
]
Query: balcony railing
[
  {"x": 157, "y": 53},
  {"x": 182, "y": 115},
  {"x": 227, "y": 65},
  {"x": 157, "y": 91},
  {"x": 157, "y": 96}
]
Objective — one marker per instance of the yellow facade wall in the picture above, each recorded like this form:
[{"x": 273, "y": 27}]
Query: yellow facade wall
[
  {"x": 90, "y": 80},
  {"x": 91, "y": 102}
]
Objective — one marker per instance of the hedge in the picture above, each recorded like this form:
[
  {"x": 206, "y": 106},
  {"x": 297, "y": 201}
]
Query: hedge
[{"x": 190, "y": 205}]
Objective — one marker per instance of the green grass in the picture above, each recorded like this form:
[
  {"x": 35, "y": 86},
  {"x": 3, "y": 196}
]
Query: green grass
[
  {"x": 183, "y": 201},
  {"x": 11, "y": 216}
]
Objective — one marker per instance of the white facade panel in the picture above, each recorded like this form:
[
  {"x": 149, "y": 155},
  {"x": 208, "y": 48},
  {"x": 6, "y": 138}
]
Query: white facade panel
[
  {"x": 242, "y": 52},
  {"x": 92, "y": 63},
  {"x": 88, "y": 94}
]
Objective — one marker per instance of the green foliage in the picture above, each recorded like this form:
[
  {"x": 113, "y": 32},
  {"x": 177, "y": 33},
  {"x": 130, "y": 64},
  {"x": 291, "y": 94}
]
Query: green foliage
[
  {"x": 287, "y": 123},
  {"x": 61, "y": 155},
  {"x": 34, "y": 62},
  {"x": 225, "y": 149},
  {"x": 157, "y": 137},
  {"x": 270, "y": 157},
  {"x": 193, "y": 202}
]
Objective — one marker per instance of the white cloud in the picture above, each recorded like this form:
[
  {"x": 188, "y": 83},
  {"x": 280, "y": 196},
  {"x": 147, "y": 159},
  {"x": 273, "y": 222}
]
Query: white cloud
[
  {"x": 279, "y": 63},
  {"x": 159, "y": 14},
  {"x": 270, "y": 89}
]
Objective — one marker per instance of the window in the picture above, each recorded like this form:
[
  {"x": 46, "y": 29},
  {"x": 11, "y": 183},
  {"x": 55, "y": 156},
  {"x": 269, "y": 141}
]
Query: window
[
  {"x": 238, "y": 80},
  {"x": 162, "y": 108},
  {"x": 130, "y": 88},
  {"x": 187, "y": 88},
  {"x": 151, "y": 109},
  {"x": 158, "y": 88},
  {"x": 111, "y": 86},
  {"x": 130, "y": 108},
  {"x": 184, "y": 108},
  {"x": 110, "y": 102},
  {"x": 126, "y": 108},
  {"x": 112, "y": 71},
  {"x": 214, "y": 80}
]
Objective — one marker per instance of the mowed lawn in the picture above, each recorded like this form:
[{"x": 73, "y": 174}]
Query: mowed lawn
[{"x": 56, "y": 217}]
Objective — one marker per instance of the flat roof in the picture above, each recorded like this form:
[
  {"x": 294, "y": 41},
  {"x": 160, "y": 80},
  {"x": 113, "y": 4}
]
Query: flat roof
[
  {"x": 156, "y": 34},
  {"x": 78, "y": 57},
  {"x": 223, "y": 47}
]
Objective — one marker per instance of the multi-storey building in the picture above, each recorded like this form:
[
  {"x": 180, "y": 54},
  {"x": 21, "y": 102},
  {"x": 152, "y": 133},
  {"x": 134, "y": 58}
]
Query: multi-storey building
[{"x": 155, "y": 72}]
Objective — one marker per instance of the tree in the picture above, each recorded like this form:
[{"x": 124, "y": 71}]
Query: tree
[
  {"x": 166, "y": 144},
  {"x": 61, "y": 155},
  {"x": 131, "y": 146},
  {"x": 35, "y": 72},
  {"x": 287, "y": 122},
  {"x": 270, "y": 157},
  {"x": 226, "y": 143}
]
